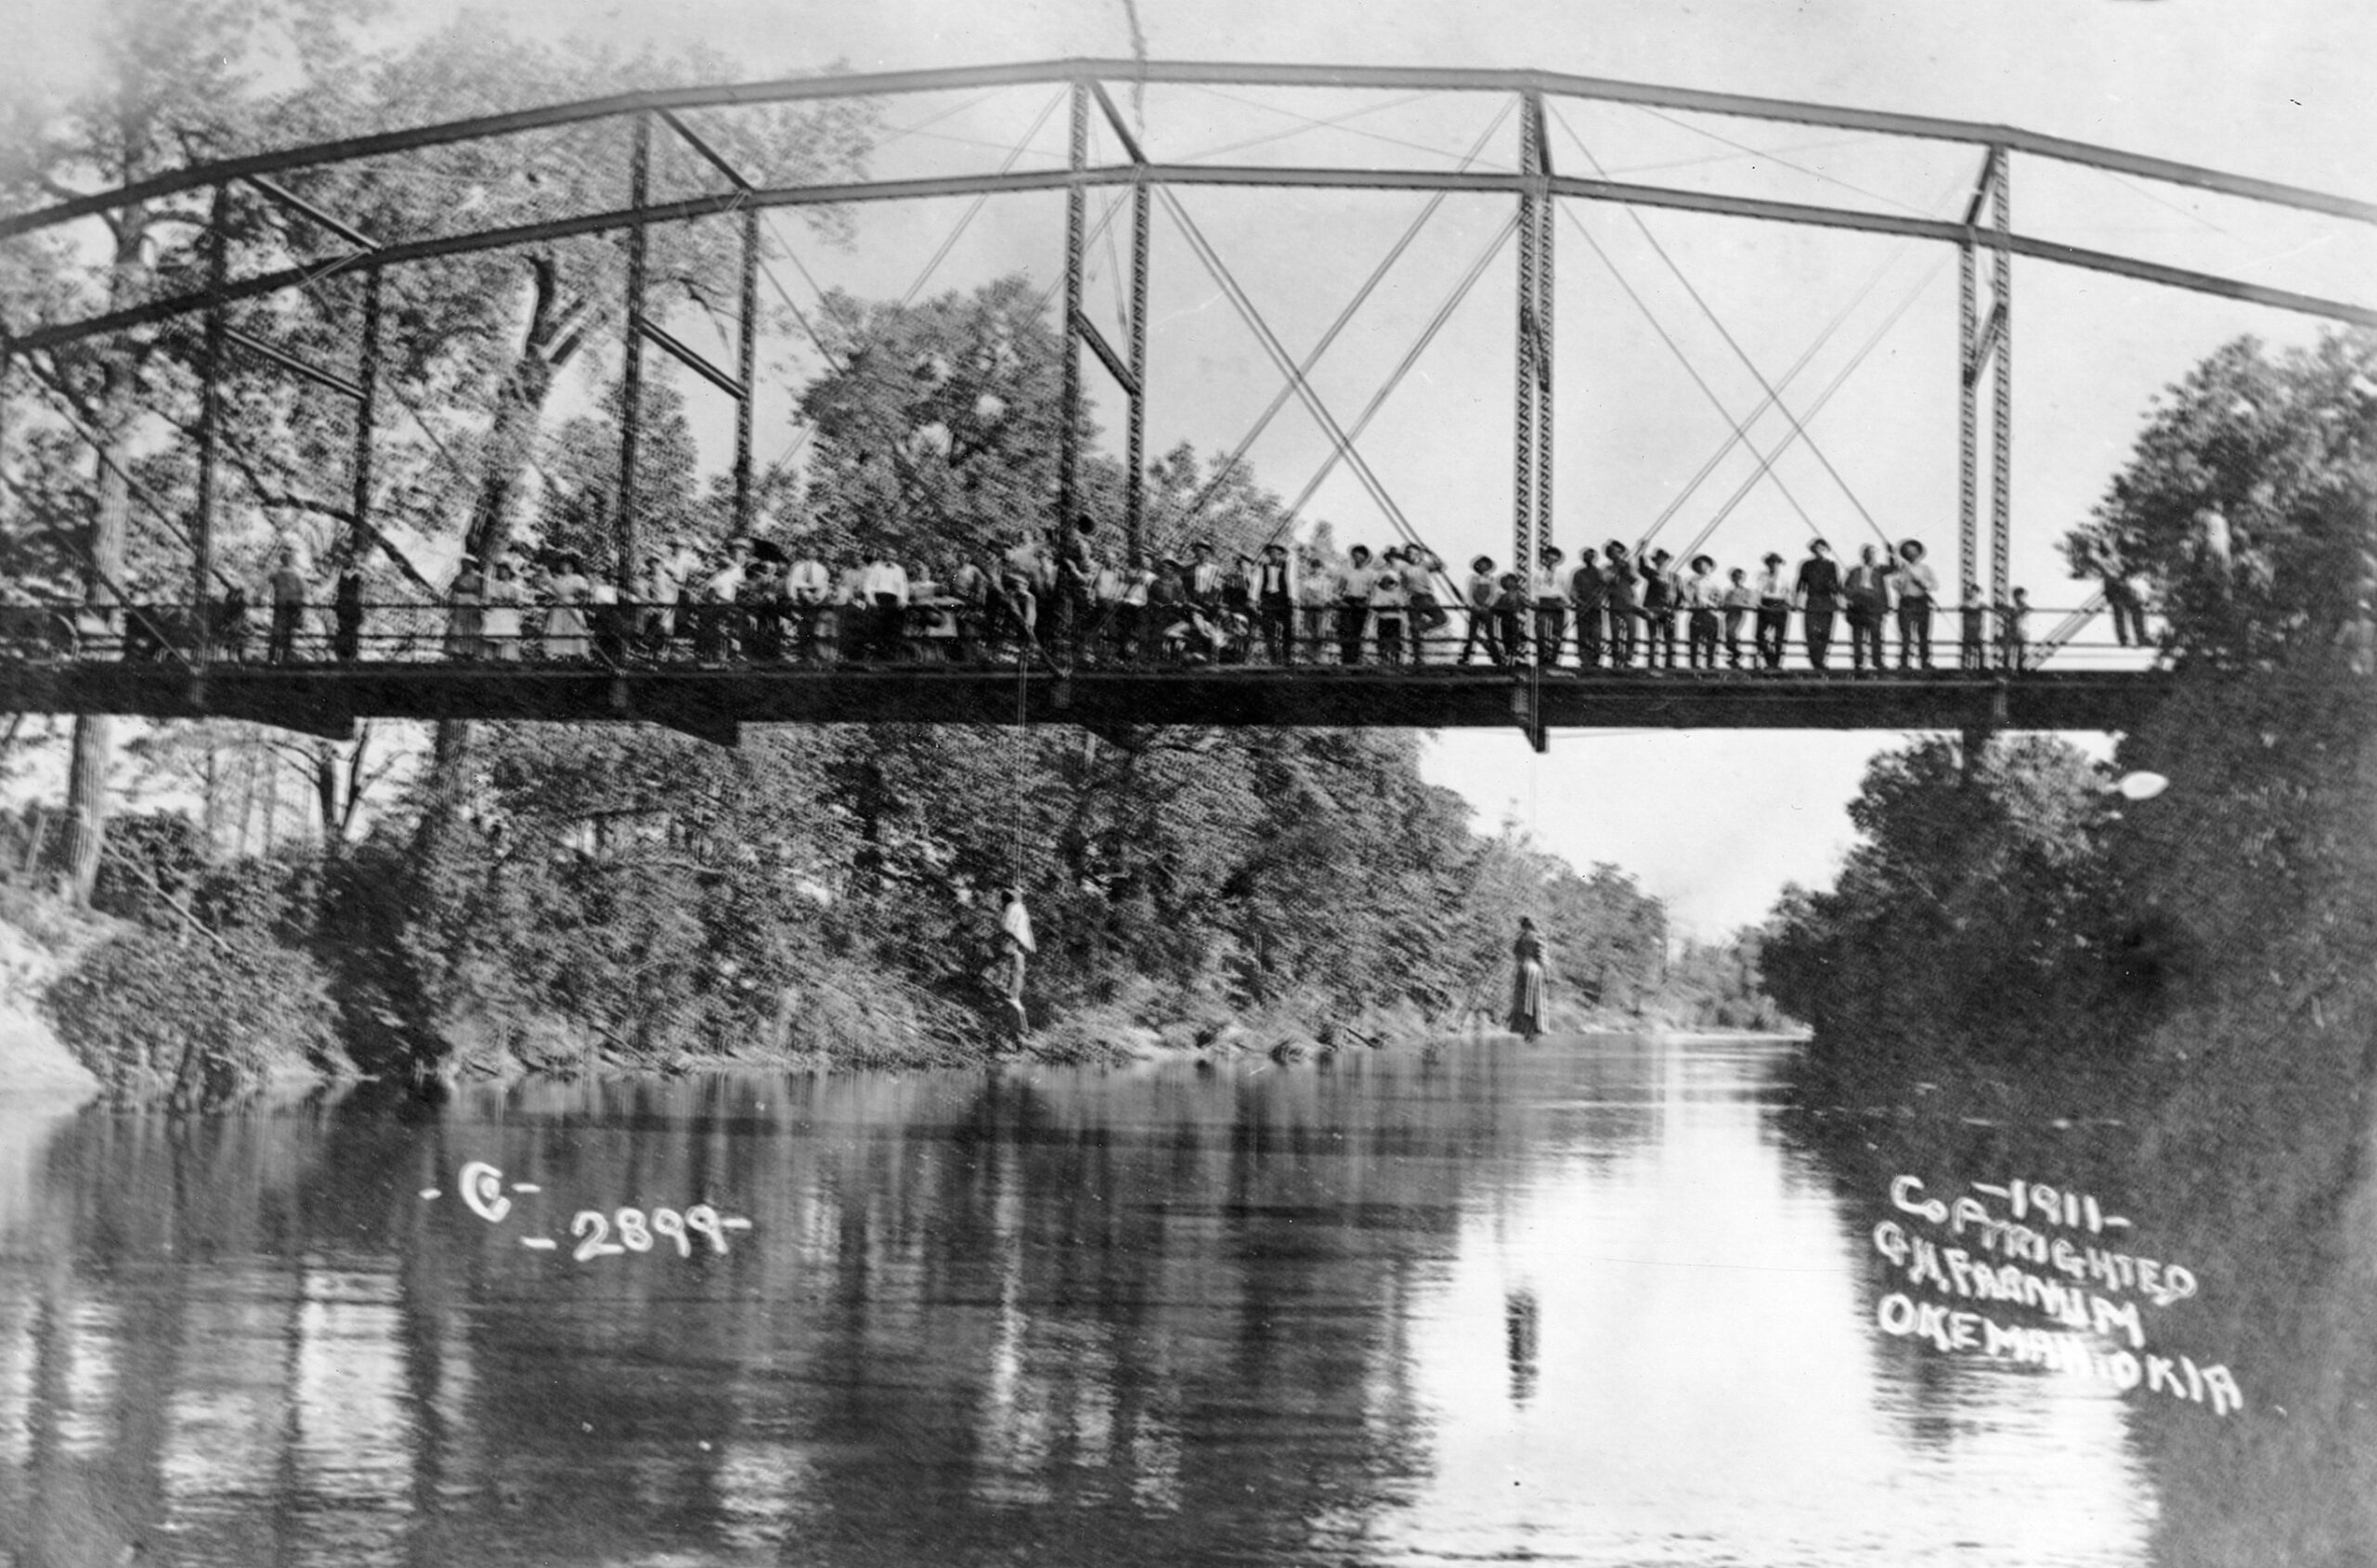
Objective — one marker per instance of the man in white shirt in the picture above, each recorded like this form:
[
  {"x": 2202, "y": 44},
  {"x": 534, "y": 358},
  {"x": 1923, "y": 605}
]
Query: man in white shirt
[
  {"x": 883, "y": 593},
  {"x": 1479, "y": 601},
  {"x": 1019, "y": 597},
  {"x": 1698, "y": 596},
  {"x": 1354, "y": 585},
  {"x": 1773, "y": 624},
  {"x": 1316, "y": 586},
  {"x": 720, "y": 636},
  {"x": 1204, "y": 577},
  {"x": 1275, "y": 588},
  {"x": 1390, "y": 601},
  {"x": 805, "y": 588},
  {"x": 1918, "y": 592},
  {"x": 1549, "y": 590}
]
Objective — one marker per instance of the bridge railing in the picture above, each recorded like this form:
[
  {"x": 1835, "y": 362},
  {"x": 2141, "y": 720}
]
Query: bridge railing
[{"x": 947, "y": 635}]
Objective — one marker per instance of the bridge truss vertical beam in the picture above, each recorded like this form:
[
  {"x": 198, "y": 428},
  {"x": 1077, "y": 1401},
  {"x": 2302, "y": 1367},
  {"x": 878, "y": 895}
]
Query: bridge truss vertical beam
[
  {"x": 1135, "y": 498},
  {"x": 2001, "y": 450},
  {"x": 1968, "y": 416},
  {"x": 631, "y": 373},
  {"x": 366, "y": 411},
  {"x": 747, "y": 352},
  {"x": 1523, "y": 543},
  {"x": 1076, "y": 222},
  {"x": 1546, "y": 276},
  {"x": 1531, "y": 453},
  {"x": 210, "y": 421}
]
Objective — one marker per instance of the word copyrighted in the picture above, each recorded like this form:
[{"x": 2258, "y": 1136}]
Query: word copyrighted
[
  {"x": 484, "y": 1191},
  {"x": 2037, "y": 1251}
]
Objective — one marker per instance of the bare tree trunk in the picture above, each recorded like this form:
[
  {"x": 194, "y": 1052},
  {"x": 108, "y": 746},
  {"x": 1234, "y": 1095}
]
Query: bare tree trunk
[
  {"x": 213, "y": 805},
  {"x": 247, "y": 799},
  {"x": 271, "y": 795},
  {"x": 326, "y": 791},
  {"x": 355, "y": 784},
  {"x": 557, "y": 329},
  {"x": 87, "y": 778}
]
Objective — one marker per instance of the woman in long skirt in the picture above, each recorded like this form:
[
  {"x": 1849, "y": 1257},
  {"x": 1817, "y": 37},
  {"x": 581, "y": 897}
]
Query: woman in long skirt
[
  {"x": 1527, "y": 982},
  {"x": 499, "y": 620},
  {"x": 465, "y": 599},
  {"x": 565, "y": 614}
]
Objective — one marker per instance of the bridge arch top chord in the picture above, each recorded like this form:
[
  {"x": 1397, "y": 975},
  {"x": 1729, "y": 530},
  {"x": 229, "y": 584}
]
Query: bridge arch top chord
[{"x": 1995, "y": 138}]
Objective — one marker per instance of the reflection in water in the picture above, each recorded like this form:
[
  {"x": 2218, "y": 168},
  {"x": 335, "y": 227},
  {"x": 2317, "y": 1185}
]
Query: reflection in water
[{"x": 1580, "y": 1300}]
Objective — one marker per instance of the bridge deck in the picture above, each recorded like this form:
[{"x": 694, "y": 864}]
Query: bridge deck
[{"x": 327, "y": 699}]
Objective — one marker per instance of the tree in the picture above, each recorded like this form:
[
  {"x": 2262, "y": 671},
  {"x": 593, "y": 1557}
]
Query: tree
[
  {"x": 486, "y": 335},
  {"x": 178, "y": 83},
  {"x": 2248, "y": 498},
  {"x": 1978, "y": 910},
  {"x": 938, "y": 424}
]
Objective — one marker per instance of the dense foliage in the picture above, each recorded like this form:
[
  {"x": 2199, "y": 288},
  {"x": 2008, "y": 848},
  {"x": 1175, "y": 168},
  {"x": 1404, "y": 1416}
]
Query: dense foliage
[
  {"x": 2005, "y": 910},
  {"x": 2245, "y": 506},
  {"x": 554, "y": 896},
  {"x": 1975, "y": 912}
]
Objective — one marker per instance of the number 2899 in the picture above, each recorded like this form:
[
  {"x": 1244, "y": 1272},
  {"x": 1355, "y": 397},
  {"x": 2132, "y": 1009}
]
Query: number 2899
[{"x": 637, "y": 1234}]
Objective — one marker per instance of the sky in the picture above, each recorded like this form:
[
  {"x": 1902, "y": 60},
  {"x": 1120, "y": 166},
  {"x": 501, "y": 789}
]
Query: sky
[{"x": 1715, "y": 821}]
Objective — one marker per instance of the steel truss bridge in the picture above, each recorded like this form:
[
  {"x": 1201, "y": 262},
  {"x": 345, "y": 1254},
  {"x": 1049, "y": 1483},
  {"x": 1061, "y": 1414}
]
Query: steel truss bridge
[{"x": 283, "y": 196}]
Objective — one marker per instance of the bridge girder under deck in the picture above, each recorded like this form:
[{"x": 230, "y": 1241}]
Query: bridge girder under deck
[{"x": 713, "y": 703}]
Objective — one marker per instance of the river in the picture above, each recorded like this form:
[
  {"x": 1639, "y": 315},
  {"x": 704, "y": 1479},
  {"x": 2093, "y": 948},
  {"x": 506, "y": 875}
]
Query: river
[{"x": 1597, "y": 1300}]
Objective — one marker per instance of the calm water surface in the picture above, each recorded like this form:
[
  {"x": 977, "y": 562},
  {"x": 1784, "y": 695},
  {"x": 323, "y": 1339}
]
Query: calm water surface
[{"x": 1586, "y": 1301}]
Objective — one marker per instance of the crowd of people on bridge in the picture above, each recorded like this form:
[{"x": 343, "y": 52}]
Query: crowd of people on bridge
[
  {"x": 756, "y": 602},
  {"x": 1610, "y": 609}
]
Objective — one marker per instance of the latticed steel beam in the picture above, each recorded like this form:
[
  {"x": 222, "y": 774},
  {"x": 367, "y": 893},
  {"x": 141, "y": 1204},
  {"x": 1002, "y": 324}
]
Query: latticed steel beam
[
  {"x": 1135, "y": 498},
  {"x": 1076, "y": 223},
  {"x": 1556, "y": 83},
  {"x": 1523, "y": 426},
  {"x": 1968, "y": 419},
  {"x": 210, "y": 419},
  {"x": 367, "y": 413},
  {"x": 746, "y": 362},
  {"x": 1179, "y": 174},
  {"x": 2001, "y": 468},
  {"x": 1545, "y": 279},
  {"x": 631, "y": 373}
]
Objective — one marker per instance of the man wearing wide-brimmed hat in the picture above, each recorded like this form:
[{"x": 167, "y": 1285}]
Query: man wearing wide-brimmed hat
[
  {"x": 1275, "y": 604},
  {"x": 1550, "y": 596},
  {"x": 1817, "y": 593},
  {"x": 1478, "y": 596},
  {"x": 1773, "y": 610},
  {"x": 1699, "y": 595},
  {"x": 1865, "y": 594},
  {"x": 1354, "y": 585},
  {"x": 1588, "y": 592},
  {"x": 1619, "y": 597},
  {"x": 1918, "y": 590},
  {"x": 1661, "y": 589}
]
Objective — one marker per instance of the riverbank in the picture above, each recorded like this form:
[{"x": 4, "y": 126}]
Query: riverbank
[
  {"x": 93, "y": 1004},
  {"x": 38, "y": 944}
]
